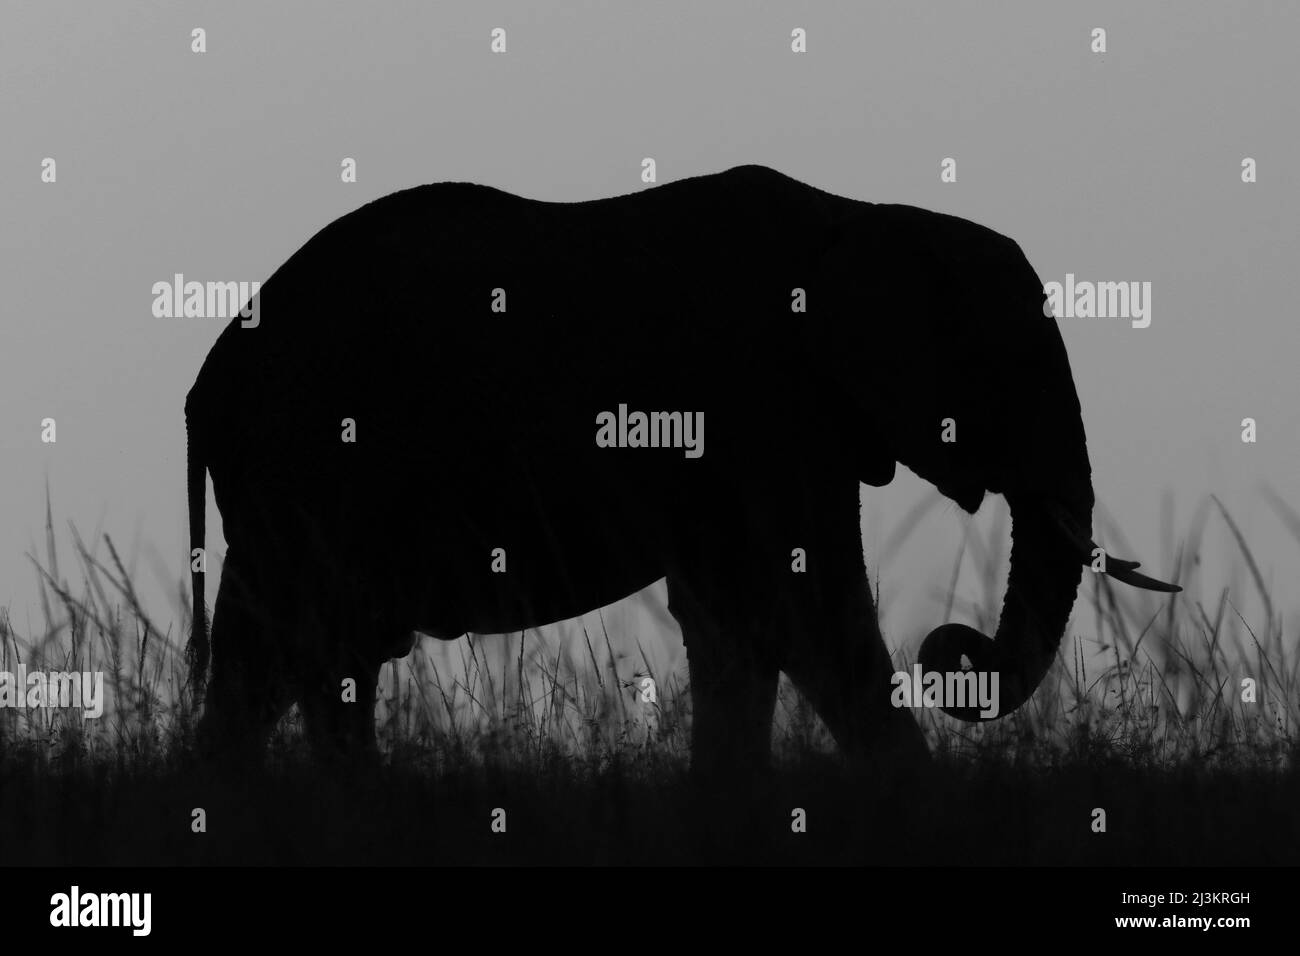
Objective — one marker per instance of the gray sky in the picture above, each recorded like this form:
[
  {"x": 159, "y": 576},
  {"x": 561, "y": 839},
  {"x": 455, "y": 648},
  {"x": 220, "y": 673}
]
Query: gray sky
[{"x": 1116, "y": 166}]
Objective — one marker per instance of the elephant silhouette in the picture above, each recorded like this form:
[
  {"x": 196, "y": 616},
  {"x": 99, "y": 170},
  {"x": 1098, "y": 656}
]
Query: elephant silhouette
[{"x": 460, "y": 410}]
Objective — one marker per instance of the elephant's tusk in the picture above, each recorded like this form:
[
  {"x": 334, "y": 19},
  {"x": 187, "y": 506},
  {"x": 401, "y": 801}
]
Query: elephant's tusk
[
  {"x": 1118, "y": 564},
  {"x": 1132, "y": 578},
  {"x": 1117, "y": 568}
]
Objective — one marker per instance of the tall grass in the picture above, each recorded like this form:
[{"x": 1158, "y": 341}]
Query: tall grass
[{"x": 1153, "y": 681}]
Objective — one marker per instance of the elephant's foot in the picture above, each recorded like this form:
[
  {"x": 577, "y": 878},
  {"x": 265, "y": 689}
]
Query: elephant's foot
[
  {"x": 731, "y": 742},
  {"x": 898, "y": 749}
]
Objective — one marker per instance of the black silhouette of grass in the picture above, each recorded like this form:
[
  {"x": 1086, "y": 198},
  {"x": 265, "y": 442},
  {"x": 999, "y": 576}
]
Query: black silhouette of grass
[{"x": 550, "y": 726}]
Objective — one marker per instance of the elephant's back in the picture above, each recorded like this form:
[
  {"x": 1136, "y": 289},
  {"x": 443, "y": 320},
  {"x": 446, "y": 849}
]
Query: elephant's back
[
  {"x": 467, "y": 340},
  {"x": 456, "y": 304}
]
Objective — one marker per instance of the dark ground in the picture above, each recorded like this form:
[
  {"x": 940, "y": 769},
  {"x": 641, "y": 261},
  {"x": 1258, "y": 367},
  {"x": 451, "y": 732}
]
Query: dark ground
[{"x": 961, "y": 813}]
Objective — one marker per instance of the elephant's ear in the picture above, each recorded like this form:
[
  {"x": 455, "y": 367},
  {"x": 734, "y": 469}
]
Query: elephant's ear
[
  {"x": 868, "y": 446},
  {"x": 863, "y": 442},
  {"x": 869, "y": 343}
]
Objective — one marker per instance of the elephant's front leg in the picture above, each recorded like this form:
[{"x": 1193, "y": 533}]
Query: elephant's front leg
[
  {"x": 840, "y": 663},
  {"x": 831, "y": 645}
]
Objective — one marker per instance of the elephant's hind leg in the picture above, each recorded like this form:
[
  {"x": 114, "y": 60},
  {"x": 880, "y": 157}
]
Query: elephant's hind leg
[
  {"x": 250, "y": 688},
  {"x": 733, "y": 682},
  {"x": 340, "y": 680},
  {"x": 338, "y": 708}
]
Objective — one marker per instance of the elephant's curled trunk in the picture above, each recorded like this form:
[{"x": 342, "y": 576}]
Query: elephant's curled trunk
[
  {"x": 1050, "y": 547},
  {"x": 1045, "y": 570}
]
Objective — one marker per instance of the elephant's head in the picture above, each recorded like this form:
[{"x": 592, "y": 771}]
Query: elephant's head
[{"x": 967, "y": 383}]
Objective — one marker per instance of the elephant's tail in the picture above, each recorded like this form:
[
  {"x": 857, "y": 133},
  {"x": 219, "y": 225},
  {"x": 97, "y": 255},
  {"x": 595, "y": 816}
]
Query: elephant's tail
[{"x": 199, "y": 649}]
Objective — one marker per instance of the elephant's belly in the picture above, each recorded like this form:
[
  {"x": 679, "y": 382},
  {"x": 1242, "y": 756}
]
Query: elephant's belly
[
  {"x": 519, "y": 610},
  {"x": 507, "y": 554}
]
